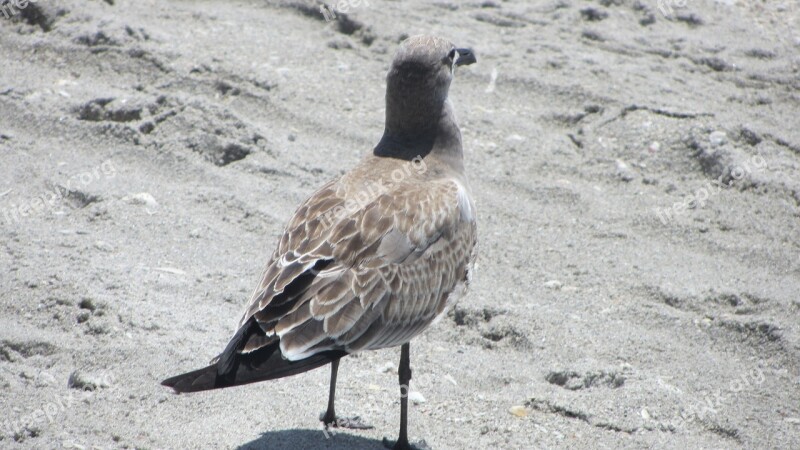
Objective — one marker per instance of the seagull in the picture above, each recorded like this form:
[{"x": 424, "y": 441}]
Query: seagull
[{"x": 373, "y": 257}]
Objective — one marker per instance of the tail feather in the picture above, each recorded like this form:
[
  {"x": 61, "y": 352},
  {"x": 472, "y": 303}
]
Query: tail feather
[
  {"x": 264, "y": 364},
  {"x": 234, "y": 367},
  {"x": 196, "y": 380}
]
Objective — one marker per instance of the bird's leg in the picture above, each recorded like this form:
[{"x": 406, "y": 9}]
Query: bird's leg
[
  {"x": 404, "y": 372},
  {"x": 329, "y": 418}
]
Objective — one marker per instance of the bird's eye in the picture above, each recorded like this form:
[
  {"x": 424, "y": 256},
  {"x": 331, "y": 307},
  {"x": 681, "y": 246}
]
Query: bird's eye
[{"x": 452, "y": 54}]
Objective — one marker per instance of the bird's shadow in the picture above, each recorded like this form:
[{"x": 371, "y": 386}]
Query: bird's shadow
[{"x": 310, "y": 439}]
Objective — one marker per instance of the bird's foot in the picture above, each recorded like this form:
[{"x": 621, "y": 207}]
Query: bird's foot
[
  {"x": 405, "y": 445},
  {"x": 352, "y": 423}
]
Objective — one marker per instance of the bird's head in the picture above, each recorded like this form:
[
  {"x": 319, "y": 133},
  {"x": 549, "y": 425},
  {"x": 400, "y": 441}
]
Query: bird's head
[
  {"x": 419, "y": 79},
  {"x": 427, "y": 62}
]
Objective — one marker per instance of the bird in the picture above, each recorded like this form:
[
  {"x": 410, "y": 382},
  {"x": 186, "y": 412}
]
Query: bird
[{"x": 373, "y": 257}]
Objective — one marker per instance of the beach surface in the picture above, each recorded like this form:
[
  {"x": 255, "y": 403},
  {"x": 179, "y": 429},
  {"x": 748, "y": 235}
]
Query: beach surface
[{"x": 635, "y": 166}]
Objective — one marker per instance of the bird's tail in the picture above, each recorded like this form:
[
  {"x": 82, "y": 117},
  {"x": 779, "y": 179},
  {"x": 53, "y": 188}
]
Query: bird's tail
[
  {"x": 234, "y": 368},
  {"x": 248, "y": 368},
  {"x": 196, "y": 380}
]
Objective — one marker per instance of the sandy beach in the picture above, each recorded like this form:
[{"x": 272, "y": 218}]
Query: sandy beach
[{"x": 635, "y": 166}]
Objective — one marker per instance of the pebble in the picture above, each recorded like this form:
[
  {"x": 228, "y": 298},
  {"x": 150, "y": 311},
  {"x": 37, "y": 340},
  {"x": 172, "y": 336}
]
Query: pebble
[
  {"x": 83, "y": 316},
  {"x": 705, "y": 322},
  {"x": 624, "y": 171},
  {"x": 650, "y": 181},
  {"x": 87, "y": 381},
  {"x": 142, "y": 198},
  {"x": 553, "y": 284},
  {"x": 518, "y": 410},
  {"x": 44, "y": 379},
  {"x": 416, "y": 397},
  {"x": 104, "y": 246},
  {"x": 69, "y": 444},
  {"x": 717, "y": 138},
  {"x": 386, "y": 368},
  {"x": 171, "y": 270}
]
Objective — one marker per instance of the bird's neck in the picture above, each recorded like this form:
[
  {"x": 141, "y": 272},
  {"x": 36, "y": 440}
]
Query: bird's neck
[{"x": 423, "y": 131}]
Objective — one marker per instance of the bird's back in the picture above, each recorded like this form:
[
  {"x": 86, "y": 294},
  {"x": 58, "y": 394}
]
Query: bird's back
[{"x": 386, "y": 245}]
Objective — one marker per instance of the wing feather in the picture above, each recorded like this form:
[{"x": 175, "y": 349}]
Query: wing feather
[{"x": 352, "y": 279}]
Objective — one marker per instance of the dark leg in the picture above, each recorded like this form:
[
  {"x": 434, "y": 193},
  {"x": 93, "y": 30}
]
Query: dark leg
[
  {"x": 329, "y": 418},
  {"x": 404, "y": 372},
  {"x": 405, "y": 377}
]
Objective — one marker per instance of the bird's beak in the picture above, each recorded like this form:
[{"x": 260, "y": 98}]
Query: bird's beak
[{"x": 465, "y": 57}]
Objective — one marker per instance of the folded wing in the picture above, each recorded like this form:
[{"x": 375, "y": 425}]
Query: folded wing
[{"x": 348, "y": 276}]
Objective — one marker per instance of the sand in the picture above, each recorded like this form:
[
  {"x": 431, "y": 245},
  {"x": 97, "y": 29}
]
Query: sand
[{"x": 635, "y": 164}]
